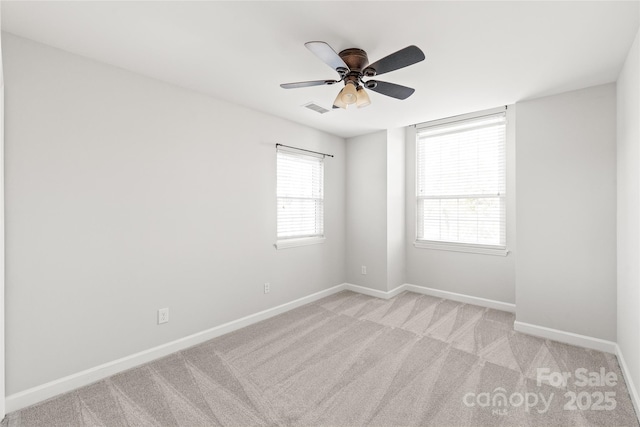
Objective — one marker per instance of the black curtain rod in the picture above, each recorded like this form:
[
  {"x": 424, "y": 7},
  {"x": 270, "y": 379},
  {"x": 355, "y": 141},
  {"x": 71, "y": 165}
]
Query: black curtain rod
[{"x": 302, "y": 149}]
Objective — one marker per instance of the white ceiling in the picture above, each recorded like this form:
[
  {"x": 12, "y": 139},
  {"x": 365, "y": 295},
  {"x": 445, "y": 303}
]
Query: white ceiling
[{"x": 479, "y": 54}]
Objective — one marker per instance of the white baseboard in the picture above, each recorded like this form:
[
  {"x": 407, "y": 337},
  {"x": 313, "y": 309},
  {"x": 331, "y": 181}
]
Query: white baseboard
[
  {"x": 633, "y": 391},
  {"x": 467, "y": 299},
  {"x": 48, "y": 390},
  {"x": 566, "y": 337},
  {"x": 374, "y": 292}
]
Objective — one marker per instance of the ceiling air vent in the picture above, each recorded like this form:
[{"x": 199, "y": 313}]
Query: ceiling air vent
[{"x": 315, "y": 107}]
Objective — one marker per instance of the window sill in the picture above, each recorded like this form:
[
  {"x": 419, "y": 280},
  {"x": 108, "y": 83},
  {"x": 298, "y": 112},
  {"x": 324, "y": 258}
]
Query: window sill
[
  {"x": 462, "y": 248},
  {"x": 293, "y": 243}
]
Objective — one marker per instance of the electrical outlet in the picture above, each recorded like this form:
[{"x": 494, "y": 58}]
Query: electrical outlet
[
  {"x": 364, "y": 269},
  {"x": 267, "y": 287},
  {"x": 163, "y": 315}
]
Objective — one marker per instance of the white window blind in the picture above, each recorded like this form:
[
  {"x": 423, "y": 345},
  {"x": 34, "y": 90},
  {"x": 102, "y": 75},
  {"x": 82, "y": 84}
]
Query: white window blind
[
  {"x": 300, "y": 195},
  {"x": 461, "y": 182}
]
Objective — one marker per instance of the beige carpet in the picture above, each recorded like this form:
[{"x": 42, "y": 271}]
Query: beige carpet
[{"x": 353, "y": 360}]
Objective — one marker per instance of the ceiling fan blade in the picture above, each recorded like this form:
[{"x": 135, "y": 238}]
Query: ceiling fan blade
[
  {"x": 390, "y": 89},
  {"x": 328, "y": 56},
  {"x": 400, "y": 59},
  {"x": 307, "y": 84}
]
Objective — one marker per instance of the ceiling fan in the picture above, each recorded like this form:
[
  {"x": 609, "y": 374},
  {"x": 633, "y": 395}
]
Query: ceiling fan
[{"x": 352, "y": 66}]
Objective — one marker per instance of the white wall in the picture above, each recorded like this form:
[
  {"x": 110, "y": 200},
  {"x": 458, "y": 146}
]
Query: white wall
[
  {"x": 2, "y": 269},
  {"x": 367, "y": 210},
  {"x": 479, "y": 275},
  {"x": 125, "y": 194},
  {"x": 628, "y": 156},
  {"x": 566, "y": 212},
  {"x": 396, "y": 254},
  {"x": 375, "y": 209}
]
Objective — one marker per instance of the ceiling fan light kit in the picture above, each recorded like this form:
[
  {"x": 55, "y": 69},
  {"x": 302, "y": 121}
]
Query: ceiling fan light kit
[
  {"x": 352, "y": 65},
  {"x": 349, "y": 95}
]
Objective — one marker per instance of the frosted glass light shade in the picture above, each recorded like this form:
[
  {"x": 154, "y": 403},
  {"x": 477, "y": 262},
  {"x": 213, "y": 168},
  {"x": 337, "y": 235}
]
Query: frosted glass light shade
[
  {"x": 338, "y": 102},
  {"x": 363, "y": 98},
  {"x": 349, "y": 95}
]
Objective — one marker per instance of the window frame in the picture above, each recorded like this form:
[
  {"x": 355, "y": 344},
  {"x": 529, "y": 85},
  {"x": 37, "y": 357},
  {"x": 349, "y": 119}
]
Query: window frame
[
  {"x": 499, "y": 250},
  {"x": 300, "y": 240}
]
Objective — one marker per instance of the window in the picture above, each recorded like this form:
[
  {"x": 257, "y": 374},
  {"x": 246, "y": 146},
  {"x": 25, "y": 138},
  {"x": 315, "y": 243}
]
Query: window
[
  {"x": 461, "y": 184},
  {"x": 300, "y": 198}
]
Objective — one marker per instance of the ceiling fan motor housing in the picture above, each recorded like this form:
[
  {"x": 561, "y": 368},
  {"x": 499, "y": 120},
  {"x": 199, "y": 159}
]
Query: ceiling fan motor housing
[{"x": 356, "y": 59}]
